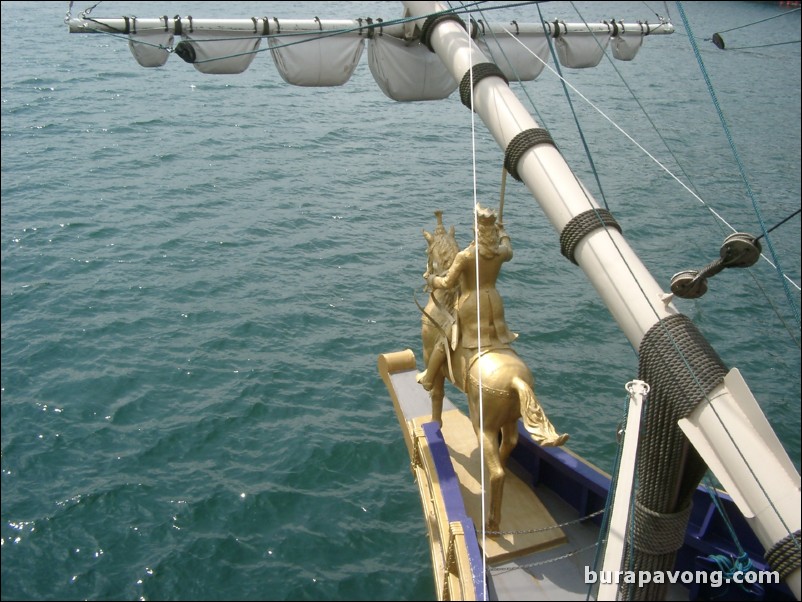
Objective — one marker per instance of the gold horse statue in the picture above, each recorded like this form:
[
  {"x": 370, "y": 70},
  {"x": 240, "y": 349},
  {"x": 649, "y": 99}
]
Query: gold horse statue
[{"x": 467, "y": 351}]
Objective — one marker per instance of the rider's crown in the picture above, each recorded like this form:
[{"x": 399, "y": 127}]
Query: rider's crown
[{"x": 485, "y": 216}]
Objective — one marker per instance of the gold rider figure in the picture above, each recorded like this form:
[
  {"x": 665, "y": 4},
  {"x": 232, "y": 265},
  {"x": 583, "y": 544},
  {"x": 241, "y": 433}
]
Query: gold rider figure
[{"x": 494, "y": 249}]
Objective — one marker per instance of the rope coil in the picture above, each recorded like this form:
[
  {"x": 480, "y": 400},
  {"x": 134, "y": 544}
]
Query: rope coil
[
  {"x": 783, "y": 556},
  {"x": 476, "y": 74},
  {"x": 582, "y": 225},
  {"x": 433, "y": 21},
  {"x": 521, "y": 143}
]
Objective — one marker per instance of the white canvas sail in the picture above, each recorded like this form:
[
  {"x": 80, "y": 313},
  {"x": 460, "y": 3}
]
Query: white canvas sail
[
  {"x": 626, "y": 45},
  {"x": 149, "y": 48},
  {"x": 312, "y": 60},
  {"x": 522, "y": 57},
  {"x": 581, "y": 51},
  {"x": 408, "y": 71}
]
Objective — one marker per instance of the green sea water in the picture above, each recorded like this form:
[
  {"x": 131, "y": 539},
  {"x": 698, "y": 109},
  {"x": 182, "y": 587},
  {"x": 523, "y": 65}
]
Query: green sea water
[{"x": 199, "y": 273}]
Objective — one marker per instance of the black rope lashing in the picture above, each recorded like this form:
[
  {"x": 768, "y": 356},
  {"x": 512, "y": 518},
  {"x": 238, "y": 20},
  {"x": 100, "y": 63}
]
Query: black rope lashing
[
  {"x": 475, "y": 29},
  {"x": 682, "y": 369},
  {"x": 433, "y": 21},
  {"x": 476, "y": 74},
  {"x": 186, "y": 51},
  {"x": 582, "y": 225},
  {"x": 783, "y": 556},
  {"x": 522, "y": 142},
  {"x": 656, "y": 534}
]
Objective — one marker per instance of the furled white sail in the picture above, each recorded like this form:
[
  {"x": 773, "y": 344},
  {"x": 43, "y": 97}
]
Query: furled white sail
[
  {"x": 514, "y": 55},
  {"x": 582, "y": 50},
  {"x": 626, "y": 45},
  {"x": 149, "y": 48},
  {"x": 312, "y": 60},
  {"x": 408, "y": 71}
]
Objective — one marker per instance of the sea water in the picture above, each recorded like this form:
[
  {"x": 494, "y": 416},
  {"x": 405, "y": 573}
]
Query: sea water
[{"x": 199, "y": 272}]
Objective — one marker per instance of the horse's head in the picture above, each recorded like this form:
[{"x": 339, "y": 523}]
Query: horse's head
[{"x": 442, "y": 247}]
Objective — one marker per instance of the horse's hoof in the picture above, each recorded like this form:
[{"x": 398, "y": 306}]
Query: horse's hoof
[
  {"x": 422, "y": 380},
  {"x": 556, "y": 442}
]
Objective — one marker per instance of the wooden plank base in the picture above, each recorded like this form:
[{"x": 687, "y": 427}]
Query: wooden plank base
[{"x": 521, "y": 511}]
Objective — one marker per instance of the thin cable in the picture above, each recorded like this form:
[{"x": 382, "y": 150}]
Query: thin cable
[
  {"x": 481, "y": 434},
  {"x": 737, "y": 157},
  {"x": 647, "y": 153},
  {"x": 792, "y": 334},
  {"x": 795, "y": 213},
  {"x": 573, "y": 111},
  {"x": 763, "y": 45},
  {"x": 761, "y": 21},
  {"x": 604, "y": 529}
]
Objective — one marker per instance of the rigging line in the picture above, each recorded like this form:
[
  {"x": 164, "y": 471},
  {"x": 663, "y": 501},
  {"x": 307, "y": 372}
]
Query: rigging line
[
  {"x": 741, "y": 167},
  {"x": 668, "y": 10},
  {"x": 571, "y": 104},
  {"x": 567, "y": 523},
  {"x": 601, "y": 540},
  {"x": 763, "y": 45},
  {"x": 779, "y": 224},
  {"x": 465, "y": 9},
  {"x": 531, "y": 102},
  {"x": 723, "y": 425},
  {"x": 752, "y": 470},
  {"x": 510, "y": 64},
  {"x": 506, "y": 569},
  {"x": 308, "y": 37},
  {"x": 588, "y": 154},
  {"x": 643, "y": 109},
  {"x": 684, "y": 359},
  {"x": 656, "y": 14},
  {"x": 794, "y": 335},
  {"x": 592, "y": 166},
  {"x": 480, "y": 434},
  {"x": 732, "y": 439},
  {"x": 648, "y": 154},
  {"x": 84, "y": 13},
  {"x": 690, "y": 181},
  {"x": 705, "y": 395},
  {"x": 761, "y": 21},
  {"x": 629, "y": 268},
  {"x": 591, "y": 205},
  {"x": 637, "y": 282},
  {"x": 710, "y": 489}
]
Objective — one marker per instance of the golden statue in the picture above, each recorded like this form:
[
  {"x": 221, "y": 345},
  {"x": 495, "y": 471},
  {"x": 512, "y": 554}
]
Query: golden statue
[{"x": 469, "y": 347}]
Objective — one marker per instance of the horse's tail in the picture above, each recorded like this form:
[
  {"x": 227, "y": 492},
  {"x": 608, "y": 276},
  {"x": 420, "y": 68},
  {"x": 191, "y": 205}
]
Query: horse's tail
[{"x": 535, "y": 420}]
